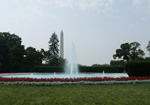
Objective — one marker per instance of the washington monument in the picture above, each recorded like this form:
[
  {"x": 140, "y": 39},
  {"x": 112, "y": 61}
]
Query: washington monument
[{"x": 62, "y": 44}]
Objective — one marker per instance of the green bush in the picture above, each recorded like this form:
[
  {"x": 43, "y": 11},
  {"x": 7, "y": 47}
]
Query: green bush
[
  {"x": 138, "y": 68},
  {"x": 0, "y": 67},
  {"x": 100, "y": 69},
  {"x": 48, "y": 69}
]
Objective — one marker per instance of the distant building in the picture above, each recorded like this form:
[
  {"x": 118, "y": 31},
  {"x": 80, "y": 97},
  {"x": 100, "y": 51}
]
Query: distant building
[{"x": 62, "y": 44}]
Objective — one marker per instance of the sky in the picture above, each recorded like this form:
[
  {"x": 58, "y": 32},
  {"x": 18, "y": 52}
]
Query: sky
[{"x": 96, "y": 27}]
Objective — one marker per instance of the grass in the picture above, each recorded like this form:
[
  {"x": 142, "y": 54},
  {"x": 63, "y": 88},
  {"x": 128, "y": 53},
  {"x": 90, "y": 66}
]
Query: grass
[{"x": 125, "y": 94}]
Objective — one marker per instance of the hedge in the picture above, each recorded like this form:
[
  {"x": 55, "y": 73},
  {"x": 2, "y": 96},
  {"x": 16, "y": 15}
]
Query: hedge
[
  {"x": 48, "y": 69},
  {"x": 99, "y": 69},
  {"x": 138, "y": 68}
]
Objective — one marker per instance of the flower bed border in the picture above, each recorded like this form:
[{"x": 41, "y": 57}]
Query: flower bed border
[{"x": 74, "y": 81}]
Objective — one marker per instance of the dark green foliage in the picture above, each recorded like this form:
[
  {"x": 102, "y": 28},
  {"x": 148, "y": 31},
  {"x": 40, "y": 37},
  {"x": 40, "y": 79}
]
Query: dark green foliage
[
  {"x": 32, "y": 57},
  {"x": 14, "y": 58},
  {"x": 116, "y": 62},
  {"x": 53, "y": 48},
  {"x": 148, "y": 47},
  {"x": 147, "y": 58},
  {"x": 123, "y": 52},
  {"x": 100, "y": 69},
  {"x": 4, "y": 54},
  {"x": 48, "y": 69},
  {"x": 47, "y": 56},
  {"x": 11, "y": 52},
  {"x": 129, "y": 52},
  {"x": 135, "y": 52},
  {"x": 61, "y": 61},
  {"x": 95, "y": 65},
  {"x": 138, "y": 68},
  {"x": 0, "y": 66},
  {"x": 17, "y": 58}
]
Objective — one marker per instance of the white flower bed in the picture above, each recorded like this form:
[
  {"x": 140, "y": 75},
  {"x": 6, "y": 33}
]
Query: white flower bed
[{"x": 75, "y": 83}]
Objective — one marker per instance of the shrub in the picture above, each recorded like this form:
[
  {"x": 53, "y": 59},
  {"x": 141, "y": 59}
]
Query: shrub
[
  {"x": 100, "y": 69},
  {"x": 0, "y": 66},
  {"x": 48, "y": 69},
  {"x": 138, "y": 68}
]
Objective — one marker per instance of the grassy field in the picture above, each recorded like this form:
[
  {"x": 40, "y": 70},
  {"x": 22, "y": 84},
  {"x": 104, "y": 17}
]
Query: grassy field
[{"x": 125, "y": 94}]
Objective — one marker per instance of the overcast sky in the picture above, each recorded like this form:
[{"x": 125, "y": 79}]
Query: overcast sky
[{"x": 96, "y": 27}]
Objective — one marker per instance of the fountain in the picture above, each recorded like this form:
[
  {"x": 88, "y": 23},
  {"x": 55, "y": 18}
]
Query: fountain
[
  {"x": 71, "y": 66},
  {"x": 71, "y": 71},
  {"x": 103, "y": 73}
]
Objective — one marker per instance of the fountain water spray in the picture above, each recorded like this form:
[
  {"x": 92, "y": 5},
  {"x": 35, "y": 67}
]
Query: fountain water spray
[
  {"x": 71, "y": 66},
  {"x": 103, "y": 73}
]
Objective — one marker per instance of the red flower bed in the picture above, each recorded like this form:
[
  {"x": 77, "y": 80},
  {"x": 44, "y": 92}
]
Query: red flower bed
[{"x": 73, "y": 79}]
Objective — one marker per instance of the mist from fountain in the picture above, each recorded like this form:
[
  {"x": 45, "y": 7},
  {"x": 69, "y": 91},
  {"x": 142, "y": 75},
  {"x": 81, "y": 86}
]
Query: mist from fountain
[
  {"x": 103, "y": 73},
  {"x": 71, "y": 66}
]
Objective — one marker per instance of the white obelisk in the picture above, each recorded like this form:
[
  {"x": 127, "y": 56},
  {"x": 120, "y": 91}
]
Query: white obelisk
[{"x": 62, "y": 44}]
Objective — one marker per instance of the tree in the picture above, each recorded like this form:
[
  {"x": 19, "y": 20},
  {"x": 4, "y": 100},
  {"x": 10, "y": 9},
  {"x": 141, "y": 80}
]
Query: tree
[
  {"x": 123, "y": 52},
  {"x": 130, "y": 51},
  {"x": 11, "y": 52},
  {"x": 17, "y": 53},
  {"x": 95, "y": 65},
  {"x": 53, "y": 48},
  {"x": 4, "y": 54},
  {"x": 148, "y": 47},
  {"x": 47, "y": 56},
  {"x": 32, "y": 58},
  {"x": 136, "y": 53},
  {"x": 0, "y": 66},
  {"x": 61, "y": 61},
  {"x": 116, "y": 62}
]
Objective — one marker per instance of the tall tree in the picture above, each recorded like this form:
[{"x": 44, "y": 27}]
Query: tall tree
[
  {"x": 17, "y": 53},
  {"x": 148, "y": 47},
  {"x": 4, "y": 54},
  {"x": 136, "y": 53},
  {"x": 32, "y": 58},
  {"x": 130, "y": 51},
  {"x": 11, "y": 52},
  {"x": 53, "y": 48},
  {"x": 123, "y": 52}
]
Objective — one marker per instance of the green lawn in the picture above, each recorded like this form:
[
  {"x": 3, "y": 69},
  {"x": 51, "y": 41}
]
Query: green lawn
[{"x": 125, "y": 94}]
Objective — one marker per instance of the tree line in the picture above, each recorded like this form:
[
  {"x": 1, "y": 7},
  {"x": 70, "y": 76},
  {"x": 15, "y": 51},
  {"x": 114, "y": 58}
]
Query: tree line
[
  {"x": 129, "y": 52},
  {"x": 14, "y": 57}
]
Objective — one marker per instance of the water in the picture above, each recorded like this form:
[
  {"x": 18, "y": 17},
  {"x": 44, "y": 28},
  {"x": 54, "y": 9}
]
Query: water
[
  {"x": 103, "y": 73},
  {"x": 61, "y": 75},
  {"x": 71, "y": 66}
]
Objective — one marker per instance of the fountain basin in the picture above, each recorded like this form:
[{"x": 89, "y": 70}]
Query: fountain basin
[
  {"x": 49, "y": 79},
  {"x": 61, "y": 75}
]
